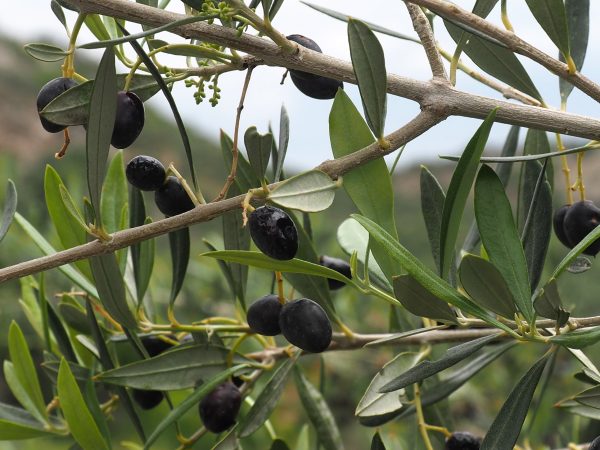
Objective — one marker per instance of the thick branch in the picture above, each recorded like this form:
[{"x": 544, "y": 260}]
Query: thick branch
[
  {"x": 513, "y": 42},
  {"x": 438, "y": 96},
  {"x": 423, "y": 29}
]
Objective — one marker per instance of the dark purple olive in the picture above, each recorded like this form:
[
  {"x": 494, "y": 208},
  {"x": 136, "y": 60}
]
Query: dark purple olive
[
  {"x": 129, "y": 119},
  {"x": 463, "y": 441},
  {"x": 558, "y": 221},
  {"x": 581, "y": 218},
  {"x": 273, "y": 232},
  {"x": 172, "y": 199},
  {"x": 595, "y": 445},
  {"x": 315, "y": 86},
  {"x": 339, "y": 265},
  {"x": 263, "y": 315},
  {"x": 147, "y": 399},
  {"x": 306, "y": 325},
  {"x": 219, "y": 409},
  {"x": 145, "y": 173},
  {"x": 49, "y": 92}
]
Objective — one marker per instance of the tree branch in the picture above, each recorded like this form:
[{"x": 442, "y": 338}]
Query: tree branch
[{"x": 423, "y": 29}]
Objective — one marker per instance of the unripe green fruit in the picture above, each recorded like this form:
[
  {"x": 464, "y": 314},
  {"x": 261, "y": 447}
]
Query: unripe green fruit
[
  {"x": 49, "y": 92},
  {"x": 129, "y": 119},
  {"x": 219, "y": 409},
  {"x": 463, "y": 441},
  {"x": 145, "y": 173},
  {"x": 273, "y": 232},
  {"x": 315, "y": 86},
  {"x": 581, "y": 218},
  {"x": 263, "y": 315},
  {"x": 339, "y": 265},
  {"x": 172, "y": 199},
  {"x": 306, "y": 325}
]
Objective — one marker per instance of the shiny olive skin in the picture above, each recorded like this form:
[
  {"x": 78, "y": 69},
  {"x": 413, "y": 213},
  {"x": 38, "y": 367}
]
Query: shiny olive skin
[
  {"x": 129, "y": 119},
  {"x": 339, "y": 265},
  {"x": 263, "y": 315},
  {"x": 219, "y": 409},
  {"x": 463, "y": 441},
  {"x": 558, "y": 221},
  {"x": 581, "y": 218},
  {"x": 274, "y": 232},
  {"x": 145, "y": 173},
  {"x": 315, "y": 86},
  {"x": 306, "y": 325},
  {"x": 49, "y": 92},
  {"x": 172, "y": 199}
]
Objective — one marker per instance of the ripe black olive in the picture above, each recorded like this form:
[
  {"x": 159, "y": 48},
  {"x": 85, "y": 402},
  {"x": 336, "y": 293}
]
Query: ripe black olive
[
  {"x": 306, "y": 325},
  {"x": 581, "y": 218},
  {"x": 558, "y": 221},
  {"x": 463, "y": 441},
  {"x": 219, "y": 409},
  {"x": 339, "y": 265},
  {"x": 129, "y": 119},
  {"x": 49, "y": 92},
  {"x": 145, "y": 173},
  {"x": 263, "y": 315},
  {"x": 273, "y": 232},
  {"x": 172, "y": 199},
  {"x": 145, "y": 398}
]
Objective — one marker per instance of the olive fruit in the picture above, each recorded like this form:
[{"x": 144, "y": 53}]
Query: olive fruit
[
  {"x": 148, "y": 399},
  {"x": 595, "y": 444},
  {"x": 581, "y": 218},
  {"x": 219, "y": 409},
  {"x": 306, "y": 325},
  {"x": 463, "y": 441},
  {"x": 314, "y": 86},
  {"x": 339, "y": 265},
  {"x": 558, "y": 221},
  {"x": 172, "y": 199},
  {"x": 145, "y": 173},
  {"x": 49, "y": 92},
  {"x": 263, "y": 315},
  {"x": 129, "y": 119},
  {"x": 273, "y": 232}
]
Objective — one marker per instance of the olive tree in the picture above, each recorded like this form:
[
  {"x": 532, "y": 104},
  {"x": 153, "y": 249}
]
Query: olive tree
[{"x": 485, "y": 297}]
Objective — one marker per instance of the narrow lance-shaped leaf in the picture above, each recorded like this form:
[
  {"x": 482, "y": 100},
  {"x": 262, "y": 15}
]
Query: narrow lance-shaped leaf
[
  {"x": 419, "y": 301},
  {"x": 82, "y": 426},
  {"x": 500, "y": 238},
  {"x": 45, "y": 52},
  {"x": 578, "y": 20},
  {"x": 368, "y": 62},
  {"x": 245, "y": 177},
  {"x": 550, "y": 14},
  {"x": 114, "y": 193},
  {"x": 318, "y": 413},
  {"x": 142, "y": 253},
  {"x": 377, "y": 442},
  {"x": 284, "y": 138},
  {"x": 505, "y": 430},
  {"x": 102, "y": 112},
  {"x": 310, "y": 191},
  {"x": 432, "y": 207},
  {"x": 458, "y": 191},
  {"x": 258, "y": 147},
  {"x": 17, "y": 424},
  {"x": 179, "y": 242},
  {"x": 10, "y": 207},
  {"x": 548, "y": 304}
]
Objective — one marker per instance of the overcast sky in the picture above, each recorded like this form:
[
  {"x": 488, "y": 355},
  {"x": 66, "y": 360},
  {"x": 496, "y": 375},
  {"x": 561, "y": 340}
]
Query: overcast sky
[{"x": 30, "y": 20}]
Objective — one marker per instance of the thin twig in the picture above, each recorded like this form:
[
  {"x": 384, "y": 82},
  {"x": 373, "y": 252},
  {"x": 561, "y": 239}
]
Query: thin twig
[
  {"x": 423, "y": 29},
  {"x": 234, "y": 150}
]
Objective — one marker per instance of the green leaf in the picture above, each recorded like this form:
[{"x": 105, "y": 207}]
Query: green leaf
[
  {"x": 500, "y": 238},
  {"x": 458, "y": 191},
  {"x": 51, "y": 368},
  {"x": 245, "y": 177},
  {"x": 18, "y": 424},
  {"x": 102, "y": 112},
  {"x": 259, "y": 260},
  {"x": 114, "y": 194},
  {"x": 58, "y": 12},
  {"x": 377, "y": 442},
  {"x": 551, "y": 15},
  {"x": 74, "y": 316},
  {"x": 426, "y": 369},
  {"x": 484, "y": 284},
  {"x": 68, "y": 226},
  {"x": 589, "y": 397},
  {"x": 578, "y": 339},
  {"x": 424, "y": 275},
  {"x": 191, "y": 401},
  {"x": 432, "y": 207},
  {"x": 96, "y": 26},
  {"x": 72, "y": 106},
  {"x": 10, "y": 207},
  {"x": 179, "y": 242},
  {"x": 419, "y": 301},
  {"x": 111, "y": 288},
  {"x": 258, "y": 147},
  {"x": 578, "y": 20},
  {"x": 82, "y": 426},
  {"x": 348, "y": 133},
  {"x": 25, "y": 374},
  {"x": 284, "y": 138},
  {"x": 496, "y": 60},
  {"x": 278, "y": 444},
  {"x": 45, "y": 52},
  {"x": 170, "y": 100},
  {"x": 310, "y": 191},
  {"x": 505, "y": 430},
  {"x": 368, "y": 62},
  {"x": 47, "y": 249},
  {"x": 548, "y": 304},
  {"x": 142, "y": 253},
  {"x": 398, "y": 337},
  {"x": 266, "y": 401},
  {"x": 375, "y": 403},
  {"x": 352, "y": 237},
  {"x": 318, "y": 413},
  {"x": 372, "y": 26},
  {"x": 180, "y": 368}
]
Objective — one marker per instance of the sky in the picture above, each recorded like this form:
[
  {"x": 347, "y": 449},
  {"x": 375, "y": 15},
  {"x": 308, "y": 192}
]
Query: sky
[{"x": 30, "y": 21}]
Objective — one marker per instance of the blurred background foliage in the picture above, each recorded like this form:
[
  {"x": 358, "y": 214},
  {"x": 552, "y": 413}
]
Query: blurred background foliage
[{"x": 25, "y": 150}]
